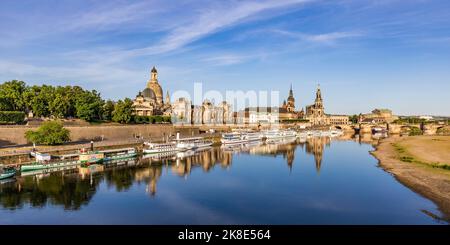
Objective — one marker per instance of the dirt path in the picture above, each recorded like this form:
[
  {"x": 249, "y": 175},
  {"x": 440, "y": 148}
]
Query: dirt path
[{"x": 418, "y": 162}]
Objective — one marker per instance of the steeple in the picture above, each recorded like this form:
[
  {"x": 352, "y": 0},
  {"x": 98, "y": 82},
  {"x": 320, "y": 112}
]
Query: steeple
[
  {"x": 318, "y": 102},
  {"x": 291, "y": 99},
  {"x": 167, "y": 97},
  {"x": 318, "y": 93},
  {"x": 154, "y": 75}
]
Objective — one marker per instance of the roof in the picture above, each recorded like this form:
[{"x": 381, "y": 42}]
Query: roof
[
  {"x": 382, "y": 110},
  {"x": 262, "y": 109},
  {"x": 154, "y": 69},
  {"x": 266, "y": 109},
  {"x": 148, "y": 93}
]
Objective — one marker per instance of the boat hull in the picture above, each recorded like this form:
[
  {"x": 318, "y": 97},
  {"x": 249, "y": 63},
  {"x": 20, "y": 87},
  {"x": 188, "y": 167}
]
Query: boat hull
[
  {"x": 235, "y": 142},
  {"x": 7, "y": 175},
  {"x": 39, "y": 166},
  {"x": 152, "y": 151},
  {"x": 125, "y": 156}
]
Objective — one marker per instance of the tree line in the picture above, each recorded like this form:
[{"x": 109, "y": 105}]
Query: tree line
[{"x": 63, "y": 102}]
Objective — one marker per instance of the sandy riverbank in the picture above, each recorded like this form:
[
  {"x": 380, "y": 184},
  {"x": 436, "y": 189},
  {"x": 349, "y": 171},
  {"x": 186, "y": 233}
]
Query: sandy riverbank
[{"x": 422, "y": 163}]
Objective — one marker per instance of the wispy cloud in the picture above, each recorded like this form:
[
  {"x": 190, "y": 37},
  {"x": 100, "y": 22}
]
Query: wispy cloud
[
  {"x": 320, "y": 38},
  {"x": 93, "y": 73},
  {"x": 110, "y": 15},
  {"x": 226, "y": 59},
  {"x": 212, "y": 19}
]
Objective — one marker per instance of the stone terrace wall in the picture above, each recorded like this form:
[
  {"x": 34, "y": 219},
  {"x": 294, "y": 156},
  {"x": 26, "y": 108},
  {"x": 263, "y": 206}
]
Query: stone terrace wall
[{"x": 12, "y": 135}]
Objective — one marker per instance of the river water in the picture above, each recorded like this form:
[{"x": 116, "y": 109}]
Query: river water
[{"x": 317, "y": 181}]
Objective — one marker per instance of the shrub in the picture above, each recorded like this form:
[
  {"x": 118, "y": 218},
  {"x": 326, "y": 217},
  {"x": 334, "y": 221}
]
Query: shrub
[
  {"x": 12, "y": 117},
  {"x": 49, "y": 133},
  {"x": 443, "y": 131},
  {"x": 415, "y": 131}
]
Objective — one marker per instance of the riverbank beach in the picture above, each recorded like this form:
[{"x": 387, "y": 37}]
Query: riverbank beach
[{"x": 420, "y": 162}]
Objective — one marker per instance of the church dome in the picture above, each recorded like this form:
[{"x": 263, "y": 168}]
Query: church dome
[
  {"x": 148, "y": 94},
  {"x": 157, "y": 90}
]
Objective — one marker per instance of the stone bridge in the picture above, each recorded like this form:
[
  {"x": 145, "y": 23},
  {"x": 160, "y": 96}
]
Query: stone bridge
[{"x": 392, "y": 128}]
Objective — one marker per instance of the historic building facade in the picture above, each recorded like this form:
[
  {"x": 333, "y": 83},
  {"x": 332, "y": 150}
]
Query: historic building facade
[
  {"x": 264, "y": 115},
  {"x": 183, "y": 111},
  {"x": 316, "y": 115},
  {"x": 377, "y": 116},
  {"x": 149, "y": 101}
]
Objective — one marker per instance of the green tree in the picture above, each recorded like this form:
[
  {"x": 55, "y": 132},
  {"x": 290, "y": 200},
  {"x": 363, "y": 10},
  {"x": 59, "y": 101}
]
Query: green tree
[
  {"x": 73, "y": 94},
  {"x": 49, "y": 133},
  {"x": 59, "y": 107},
  {"x": 123, "y": 111},
  {"x": 11, "y": 96},
  {"x": 89, "y": 106},
  {"x": 353, "y": 118},
  {"x": 38, "y": 98},
  {"x": 108, "y": 109}
]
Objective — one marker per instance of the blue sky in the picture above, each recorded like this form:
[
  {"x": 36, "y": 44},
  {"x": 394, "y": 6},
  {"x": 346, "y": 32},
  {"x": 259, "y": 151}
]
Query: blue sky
[{"x": 365, "y": 54}]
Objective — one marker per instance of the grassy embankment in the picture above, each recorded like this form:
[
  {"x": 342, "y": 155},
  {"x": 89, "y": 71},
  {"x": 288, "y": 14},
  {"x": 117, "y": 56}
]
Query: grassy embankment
[{"x": 431, "y": 151}]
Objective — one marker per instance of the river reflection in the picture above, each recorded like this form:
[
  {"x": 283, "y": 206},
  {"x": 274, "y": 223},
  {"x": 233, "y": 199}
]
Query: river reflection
[{"x": 212, "y": 183}]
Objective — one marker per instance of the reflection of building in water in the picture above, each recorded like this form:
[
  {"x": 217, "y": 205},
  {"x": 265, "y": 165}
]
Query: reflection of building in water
[
  {"x": 182, "y": 166},
  {"x": 89, "y": 170},
  {"x": 315, "y": 146},
  {"x": 150, "y": 175},
  {"x": 206, "y": 159},
  {"x": 286, "y": 150}
]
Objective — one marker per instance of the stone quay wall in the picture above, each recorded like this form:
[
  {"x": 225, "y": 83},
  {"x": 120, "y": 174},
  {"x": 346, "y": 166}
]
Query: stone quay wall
[{"x": 15, "y": 135}]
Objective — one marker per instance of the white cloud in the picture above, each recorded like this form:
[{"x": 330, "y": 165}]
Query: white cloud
[
  {"x": 94, "y": 73},
  {"x": 109, "y": 16},
  {"x": 205, "y": 21},
  {"x": 214, "y": 19},
  {"x": 227, "y": 59},
  {"x": 320, "y": 38}
]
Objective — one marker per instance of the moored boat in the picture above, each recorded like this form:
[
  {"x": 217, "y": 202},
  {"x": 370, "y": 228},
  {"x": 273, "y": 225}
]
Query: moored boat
[
  {"x": 275, "y": 135},
  {"x": 336, "y": 132},
  {"x": 91, "y": 157},
  {"x": 127, "y": 153},
  {"x": 46, "y": 165},
  {"x": 6, "y": 173},
  {"x": 192, "y": 143},
  {"x": 240, "y": 137},
  {"x": 155, "y": 148}
]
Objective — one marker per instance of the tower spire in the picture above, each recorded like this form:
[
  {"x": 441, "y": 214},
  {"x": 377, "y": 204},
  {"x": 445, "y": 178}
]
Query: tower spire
[
  {"x": 318, "y": 93},
  {"x": 167, "y": 97},
  {"x": 154, "y": 75}
]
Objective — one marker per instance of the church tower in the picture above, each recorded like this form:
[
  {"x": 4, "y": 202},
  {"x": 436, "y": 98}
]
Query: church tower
[
  {"x": 167, "y": 98},
  {"x": 154, "y": 75},
  {"x": 318, "y": 102},
  {"x": 290, "y": 101},
  {"x": 153, "y": 84}
]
